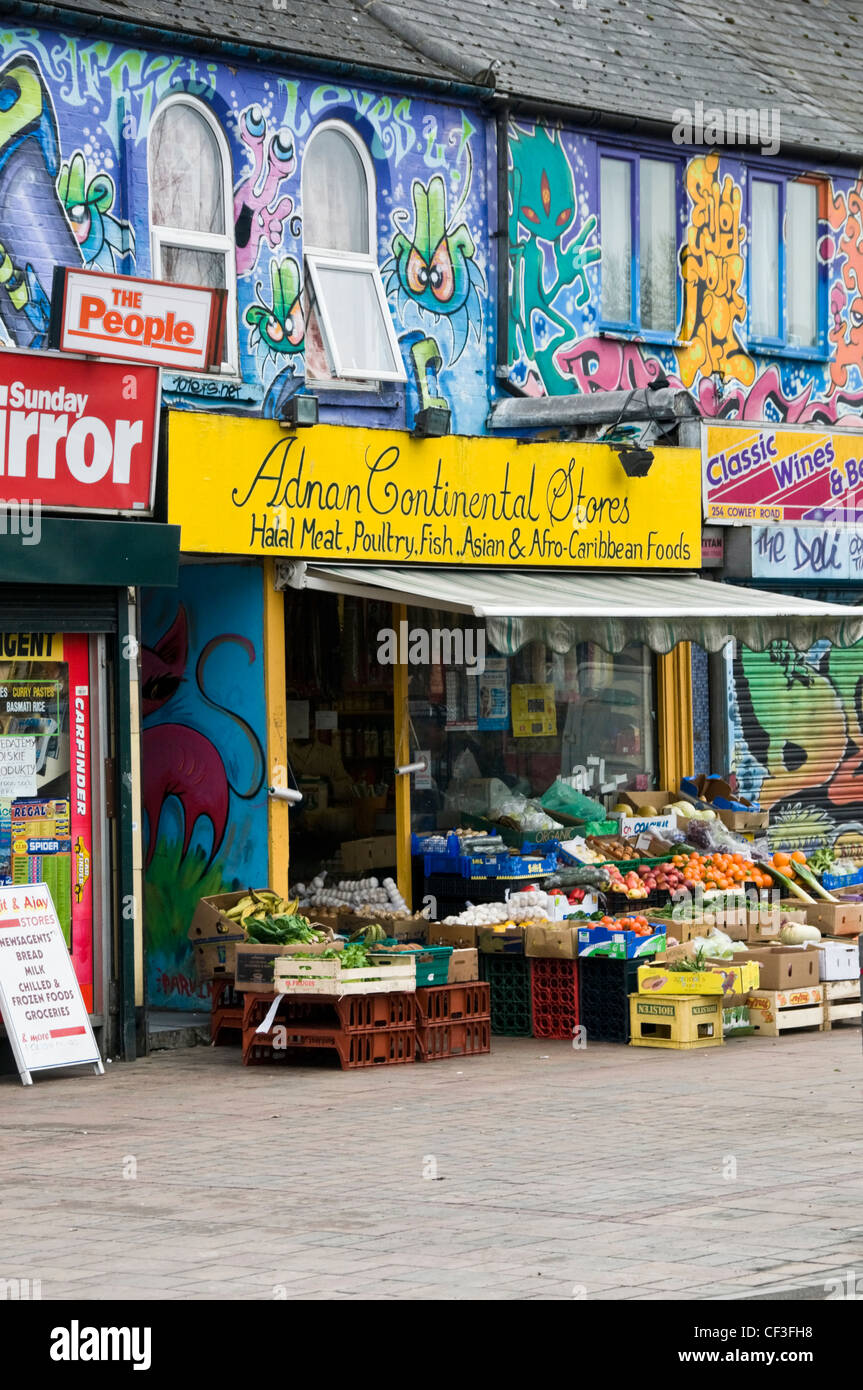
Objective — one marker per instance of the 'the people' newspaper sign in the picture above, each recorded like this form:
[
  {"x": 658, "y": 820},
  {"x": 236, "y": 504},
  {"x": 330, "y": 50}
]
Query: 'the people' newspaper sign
[{"x": 43, "y": 1012}]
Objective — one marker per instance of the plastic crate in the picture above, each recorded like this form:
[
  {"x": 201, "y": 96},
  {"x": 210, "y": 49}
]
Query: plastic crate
[
  {"x": 354, "y": 1014},
  {"x": 461, "y": 891},
  {"x": 373, "y": 1047},
  {"x": 513, "y": 866},
  {"x": 438, "y": 1041},
  {"x": 432, "y": 963},
  {"x": 511, "y": 1008},
  {"x": 226, "y": 1018},
  {"x": 452, "y": 1003},
  {"x": 554, "y": 997},
  {"x": 604, "y": 987}
]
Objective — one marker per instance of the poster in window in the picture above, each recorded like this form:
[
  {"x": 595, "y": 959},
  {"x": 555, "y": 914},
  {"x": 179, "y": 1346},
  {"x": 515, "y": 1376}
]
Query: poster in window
[
  {"x": 493, "y": 684},
  {"x": 534, "y": 714}
]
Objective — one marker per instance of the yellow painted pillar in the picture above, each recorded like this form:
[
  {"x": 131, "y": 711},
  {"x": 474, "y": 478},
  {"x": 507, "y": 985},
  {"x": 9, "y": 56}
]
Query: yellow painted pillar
[
  {"x": 401, "y": 734},
  {"x": 674, "y": 711},
  {"x": 278, "y": 812}
]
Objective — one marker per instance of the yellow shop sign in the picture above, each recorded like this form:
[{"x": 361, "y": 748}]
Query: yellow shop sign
[{"x": 246, "y": 487}]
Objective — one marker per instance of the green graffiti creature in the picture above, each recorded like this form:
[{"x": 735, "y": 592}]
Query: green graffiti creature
[
  {"x": 434, "y": 269},
  {"x": 543, "y": 208},
  {"x": 103, "y": 238},
  {"x": 280, "y": 326}
]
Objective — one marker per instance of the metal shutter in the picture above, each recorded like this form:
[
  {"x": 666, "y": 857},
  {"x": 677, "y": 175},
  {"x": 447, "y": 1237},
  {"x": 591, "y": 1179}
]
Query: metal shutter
[
  {"x": 34, "y": 608},
  {"x": 796, "y": 734}
]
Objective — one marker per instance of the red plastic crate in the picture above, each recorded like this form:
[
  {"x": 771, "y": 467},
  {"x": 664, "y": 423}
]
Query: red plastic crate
[
  {"x": 226, "y": 1018},
  {"x": 554, "y": 995},
  {"x": 452, "y": 1003},
  {"x": 438, "y": 1041},
  {"x": 355, "y": 1013},
  {"x": 372, "y": 1047}
]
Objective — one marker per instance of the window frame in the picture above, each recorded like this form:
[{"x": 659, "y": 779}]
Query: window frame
[
  {"x": 817, "y": 351},
  {"x": 315, "y": 257},
  {"x": 633, "y": 158},
  {"x": 221, "y": 243}
]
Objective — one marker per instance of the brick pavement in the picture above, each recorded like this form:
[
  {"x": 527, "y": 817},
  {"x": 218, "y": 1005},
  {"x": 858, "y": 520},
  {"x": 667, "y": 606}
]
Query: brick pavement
[{"x": 603, "y": 1173}]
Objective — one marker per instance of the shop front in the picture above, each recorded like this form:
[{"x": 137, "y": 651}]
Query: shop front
[
  {"x": 73, "y": 445},
  {"x": 788, "y": 720},
  {"x": 446, "y": 628}
]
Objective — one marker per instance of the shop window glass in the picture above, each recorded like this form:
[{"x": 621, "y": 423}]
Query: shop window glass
[
  {"x": 801, "y": 234},
  {"x": 658, "y": 239},
  {"x": 496, "y": 740},
  {"x": 638, "y": 211},
  {"x": 785, "y": 286},
  {"x": 350, "y": 332},
  {"x": 616, "y": 204},
  {"x": 764, "y": 261},
  {"x": 190, "y": 205}
]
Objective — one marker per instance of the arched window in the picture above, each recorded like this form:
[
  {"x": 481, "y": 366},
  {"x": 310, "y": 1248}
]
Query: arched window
[
  {"x": 191, "y": 216},
  {"x": 350, "y": 332}
]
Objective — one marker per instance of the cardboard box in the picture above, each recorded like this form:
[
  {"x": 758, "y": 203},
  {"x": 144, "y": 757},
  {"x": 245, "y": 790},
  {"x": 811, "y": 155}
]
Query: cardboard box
[
  {"x": 841, "y": 919},
  {"x": 458, "y": 936},
  {"x": 720, "y": 977},
  {"x": 557, "y": 941},
  {"x": 509, "y": 942},
  {"x": 254, "y": 963},
  {"x": 378, "y": 852},
  {"x": 638, "y": 800},
  {"x": 784, "y": 967},
  {"x": 399, "y": 928},
  {"x": 619, "y": 944},
  {"x": 214, "y": 958},
  {"x": 463, "y": 967},
  {"x": 209, "y": 922}
]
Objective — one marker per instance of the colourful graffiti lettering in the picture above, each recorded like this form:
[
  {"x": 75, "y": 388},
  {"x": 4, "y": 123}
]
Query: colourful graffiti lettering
[
  {"x": 260, "y": 213},
  {"x": 103, "y": 238},
  {"x": 543, "y": 209},
  {"x": 712, "y": 266},
  {"x": 846, "y": 297}
]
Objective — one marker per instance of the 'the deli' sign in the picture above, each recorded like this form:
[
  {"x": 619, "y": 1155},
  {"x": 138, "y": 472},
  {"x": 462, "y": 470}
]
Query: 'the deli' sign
[
  {"x": 77, "y": 435},
  {"x": 139, "y": 320}
]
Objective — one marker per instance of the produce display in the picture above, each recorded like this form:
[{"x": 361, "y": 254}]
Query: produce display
[
  {"x": 260, "y": 904},
  {"x": 639, "y": 925},
  {"x": 360, "y": 892},
  {"x": 724, "y": 871}
]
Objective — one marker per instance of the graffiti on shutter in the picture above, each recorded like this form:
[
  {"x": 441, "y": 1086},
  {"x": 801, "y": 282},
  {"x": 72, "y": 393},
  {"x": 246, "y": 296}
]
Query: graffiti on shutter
[{"x": 797, "y": 742}]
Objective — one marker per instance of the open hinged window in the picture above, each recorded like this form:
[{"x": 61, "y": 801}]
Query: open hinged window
[{"x": 350, "y": 334}]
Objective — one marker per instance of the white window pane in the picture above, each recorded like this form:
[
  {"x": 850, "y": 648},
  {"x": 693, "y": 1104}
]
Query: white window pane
[
  {"x": 615, "y": 210},
  {"x": 764, "y": 260},
  {"x": 335, "y": 195},
  {"x": 801, "y": 229},
  {"x": 360, "y": 341},
  {"x": 183, "y": 266},
  {"x": 186, "y": 177},
  {"x": 658, "y": 245}
]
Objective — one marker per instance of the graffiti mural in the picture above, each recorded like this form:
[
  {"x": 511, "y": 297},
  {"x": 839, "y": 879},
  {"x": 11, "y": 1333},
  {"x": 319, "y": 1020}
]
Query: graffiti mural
[
  {"x": 204, "y": 799},
  {"x": 75, "y": 115},
  {"x": 797, "y": 741},
  {"x": 543, "y": 211},
  {"x": 554, "y": 343},
  {"x": 712, "y": 265}
]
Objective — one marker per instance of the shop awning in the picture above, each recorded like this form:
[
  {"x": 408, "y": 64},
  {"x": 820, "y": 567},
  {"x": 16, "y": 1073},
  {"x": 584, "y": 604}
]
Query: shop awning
[{"x": 563, "y": 607}]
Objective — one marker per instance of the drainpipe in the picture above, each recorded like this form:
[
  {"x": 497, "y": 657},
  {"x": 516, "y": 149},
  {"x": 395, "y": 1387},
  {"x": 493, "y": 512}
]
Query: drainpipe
[{"x": 501, "y": 237}]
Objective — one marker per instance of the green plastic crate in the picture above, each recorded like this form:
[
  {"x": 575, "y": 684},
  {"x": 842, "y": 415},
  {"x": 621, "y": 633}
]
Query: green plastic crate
[{"x": 432, "y": 964}]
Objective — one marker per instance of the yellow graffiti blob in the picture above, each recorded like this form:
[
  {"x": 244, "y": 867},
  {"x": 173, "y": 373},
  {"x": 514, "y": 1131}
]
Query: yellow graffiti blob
[{"x": 712, "y": 268}]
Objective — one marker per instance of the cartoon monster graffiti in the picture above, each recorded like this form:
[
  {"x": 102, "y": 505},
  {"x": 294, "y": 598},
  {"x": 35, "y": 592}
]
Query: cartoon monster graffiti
[
  {"x": 103, "y": 238},
  {"x": 712, "y": 266},
  {"x": 543, "y": 209},
  {"x": 35, "y": 235},
  {"x": 278, "y": 328},
  {"x": 260, "y": 213},
  {"x": 433, "y": 274},
  {"x": 179, "y": 761}
]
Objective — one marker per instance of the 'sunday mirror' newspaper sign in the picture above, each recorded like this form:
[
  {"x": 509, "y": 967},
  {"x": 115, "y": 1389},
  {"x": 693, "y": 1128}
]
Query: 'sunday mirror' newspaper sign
[{"x": 44, "y": 1015}]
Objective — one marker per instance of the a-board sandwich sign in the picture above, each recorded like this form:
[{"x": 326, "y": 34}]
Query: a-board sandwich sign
[{"x": 44, "y": 1014}]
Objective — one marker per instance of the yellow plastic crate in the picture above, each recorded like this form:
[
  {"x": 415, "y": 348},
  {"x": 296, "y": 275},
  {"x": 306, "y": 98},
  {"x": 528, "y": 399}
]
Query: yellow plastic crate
[{"x": 677, "y": 1021}]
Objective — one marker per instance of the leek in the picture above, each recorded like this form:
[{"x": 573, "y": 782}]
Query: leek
[
  {"x": 803, "y": 871},
  {"x": 787, "y": 885}
]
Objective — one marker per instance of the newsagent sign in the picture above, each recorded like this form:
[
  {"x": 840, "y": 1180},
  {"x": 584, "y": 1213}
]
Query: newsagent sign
[
  {"x": 43, "y": 1012},
  {"x": 246, "y": 487},
  {"x": 138, "y": 320},
  {"x": 755, "y": 474},
  {"x": 78, "y": 435}
]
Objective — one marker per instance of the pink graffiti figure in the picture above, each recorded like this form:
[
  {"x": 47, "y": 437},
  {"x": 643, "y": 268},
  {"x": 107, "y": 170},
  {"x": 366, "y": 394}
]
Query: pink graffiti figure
[{"x": 259, "y": 213}]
